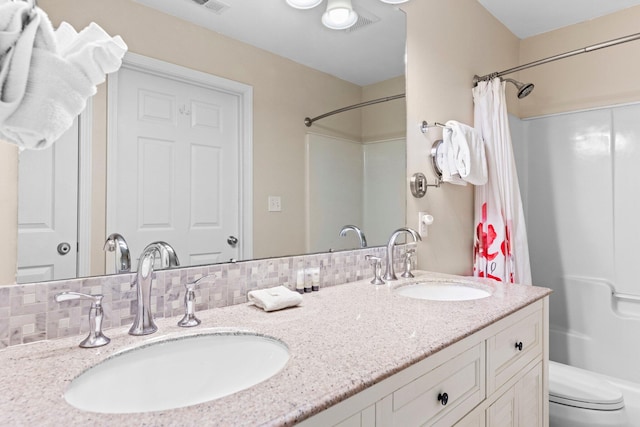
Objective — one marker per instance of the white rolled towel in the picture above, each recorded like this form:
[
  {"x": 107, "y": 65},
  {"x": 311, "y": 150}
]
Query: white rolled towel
[
  {"x": 449, "y": 169},
  {"x": 468, "y": 152},
  {"x": 276, "y": 298}
]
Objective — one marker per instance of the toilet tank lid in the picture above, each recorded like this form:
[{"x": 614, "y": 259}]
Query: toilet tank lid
[{"x": 579, "y": 385}]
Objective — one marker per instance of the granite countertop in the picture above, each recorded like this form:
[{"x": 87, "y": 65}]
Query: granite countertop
[{"x": 342, "y": 340}]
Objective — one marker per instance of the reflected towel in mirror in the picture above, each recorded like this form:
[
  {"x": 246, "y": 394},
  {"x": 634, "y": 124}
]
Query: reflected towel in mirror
[{"x": 47, "y": 76}]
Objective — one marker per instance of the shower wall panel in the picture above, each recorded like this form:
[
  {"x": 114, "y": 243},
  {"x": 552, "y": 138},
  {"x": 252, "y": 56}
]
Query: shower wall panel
[
  {"x": 582, "y": 208},
  {"x": 626, "y": 130}
]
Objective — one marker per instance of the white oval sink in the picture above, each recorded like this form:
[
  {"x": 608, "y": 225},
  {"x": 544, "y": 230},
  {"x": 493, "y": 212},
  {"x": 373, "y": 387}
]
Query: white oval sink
[
  {"x": 442, "y": 291},
  {"x": 176, "y": 373}
]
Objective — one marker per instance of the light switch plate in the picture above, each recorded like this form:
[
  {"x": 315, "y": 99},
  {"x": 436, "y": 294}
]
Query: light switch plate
[{"x": 275, "y": 204}]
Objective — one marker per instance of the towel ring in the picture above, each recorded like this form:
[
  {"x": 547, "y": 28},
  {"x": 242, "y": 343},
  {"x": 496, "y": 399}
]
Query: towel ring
[{"x": 437, "y": 159}]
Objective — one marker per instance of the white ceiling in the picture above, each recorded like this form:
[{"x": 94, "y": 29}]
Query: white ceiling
[
  {"x": 526, "y": 18},
  {"x": 369, "y": 54}
]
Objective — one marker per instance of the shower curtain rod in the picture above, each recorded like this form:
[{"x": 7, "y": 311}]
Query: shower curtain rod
[
  {"x": 309, "y": 122},
  {"x": 591, "y": 48}
]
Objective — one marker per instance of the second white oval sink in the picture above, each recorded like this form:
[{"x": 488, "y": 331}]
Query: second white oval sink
[
  {"x": 178, "y": 372},
  {"x": 439, "y": 291}
]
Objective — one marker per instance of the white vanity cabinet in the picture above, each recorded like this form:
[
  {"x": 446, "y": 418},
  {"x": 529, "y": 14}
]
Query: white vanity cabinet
[{"x": 495, "y": 377}]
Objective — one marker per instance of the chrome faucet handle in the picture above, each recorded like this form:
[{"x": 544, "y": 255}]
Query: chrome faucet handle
[
  {"x": 407, "y": 264},
  {"x": 96, "y": 338},
  {"x": 189, "y": 320},
  {"x": 376, "y": 262}
]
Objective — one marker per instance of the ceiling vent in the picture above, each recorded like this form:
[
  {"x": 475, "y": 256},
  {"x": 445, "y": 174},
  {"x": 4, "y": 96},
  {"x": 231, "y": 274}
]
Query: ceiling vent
[
  {"x": 365, "y": 18},
  {"x": 216, "y": 6}
]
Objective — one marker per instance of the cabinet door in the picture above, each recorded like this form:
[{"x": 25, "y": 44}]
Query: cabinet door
[
  {"x": 529, "y": 398},
  {"x": 521, "y": 405},
  {"x": 474, "y": 419},
  {"x": 502, "y": 413},
  {"x": 365, "y": 418},
  {"x": 444, "y": 395},
  {"x": 511, "y": 350}
]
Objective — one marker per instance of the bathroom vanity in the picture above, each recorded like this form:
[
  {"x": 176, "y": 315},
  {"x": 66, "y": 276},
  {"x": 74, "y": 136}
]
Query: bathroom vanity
[
  {"x": 360, "y": 355},
  {"x": 499, "y": 371}
]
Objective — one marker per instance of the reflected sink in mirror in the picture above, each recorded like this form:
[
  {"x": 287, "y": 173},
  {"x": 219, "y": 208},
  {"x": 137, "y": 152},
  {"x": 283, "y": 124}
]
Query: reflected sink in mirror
[
  {"x": 177, "y": 372},
  {"x": 442, "y": 291}
]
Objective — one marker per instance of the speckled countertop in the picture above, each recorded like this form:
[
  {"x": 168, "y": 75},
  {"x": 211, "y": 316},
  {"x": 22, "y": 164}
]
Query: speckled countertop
[{"x": 342, "y": 340}]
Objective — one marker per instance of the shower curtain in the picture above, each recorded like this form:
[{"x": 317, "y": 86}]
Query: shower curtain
[{"x": 500, "y": 250}]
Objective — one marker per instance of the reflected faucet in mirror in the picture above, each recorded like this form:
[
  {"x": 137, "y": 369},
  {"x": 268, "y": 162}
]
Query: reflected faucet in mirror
[
  {"x": 143, "y": 323},
  {"x": 361, "y": 236},
  {"x": 168, "y": 256},
  {"x": 117, "y": 243},
  {"x": 390, "y": 273}
]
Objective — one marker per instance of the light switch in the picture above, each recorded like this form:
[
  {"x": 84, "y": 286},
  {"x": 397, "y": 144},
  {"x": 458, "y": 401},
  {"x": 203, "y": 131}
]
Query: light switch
[{"x": 275, "y": 204}]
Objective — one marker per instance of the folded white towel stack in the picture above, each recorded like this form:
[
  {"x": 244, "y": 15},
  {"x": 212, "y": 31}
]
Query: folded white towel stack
[
  {"x": 47, "y": 76},
  {"x": 273, "y": 299},
  {"x": 466, "y": 153}
]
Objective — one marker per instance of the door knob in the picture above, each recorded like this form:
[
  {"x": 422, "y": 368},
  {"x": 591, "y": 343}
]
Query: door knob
[
  {"x": 232, "y": 241},
  {"x": 64, "y": 248}
]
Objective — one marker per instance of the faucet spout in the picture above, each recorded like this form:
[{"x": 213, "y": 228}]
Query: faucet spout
[
  {"x": 390, "y": 272},
  {"x": 116, "y": 243},
  {"x": 168, "y": 256},
  {"x": 143, "y": 323},
  {"x": 361, "y": 236}
]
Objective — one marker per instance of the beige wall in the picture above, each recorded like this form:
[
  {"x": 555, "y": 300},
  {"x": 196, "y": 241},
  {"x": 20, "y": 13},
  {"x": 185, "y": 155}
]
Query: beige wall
[
  {"x": 599, "y": 78},
  {"x": 385, "y": 120},
  {"x": 447, "y": 43}
]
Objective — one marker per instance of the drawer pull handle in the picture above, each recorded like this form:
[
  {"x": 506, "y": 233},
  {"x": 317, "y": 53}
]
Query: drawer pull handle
[
  {"x": 443, "y": 398},
  {"x": 519, "y": 346}
]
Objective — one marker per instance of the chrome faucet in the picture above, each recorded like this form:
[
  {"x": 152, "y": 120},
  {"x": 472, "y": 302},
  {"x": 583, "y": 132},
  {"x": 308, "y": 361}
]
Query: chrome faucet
[
  {"x": 95, "y": 338},
  {"x": 390, "y": 272},
  {"x": 116, "y": 243},
  {"x": 143, "y": 323},
  {"x": 168, "y": 256},
  {"x": 363, "y": 239}
]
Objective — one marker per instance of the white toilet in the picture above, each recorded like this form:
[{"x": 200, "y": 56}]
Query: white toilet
[{"x": 579, "y": 398}]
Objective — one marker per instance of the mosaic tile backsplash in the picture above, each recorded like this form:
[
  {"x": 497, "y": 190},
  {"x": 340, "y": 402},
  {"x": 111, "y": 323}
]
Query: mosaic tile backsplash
[{"x": 29, "y": 312}]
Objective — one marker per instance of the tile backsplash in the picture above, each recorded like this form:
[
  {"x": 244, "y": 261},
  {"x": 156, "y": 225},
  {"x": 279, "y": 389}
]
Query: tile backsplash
[{"x": 29, "y": 312}]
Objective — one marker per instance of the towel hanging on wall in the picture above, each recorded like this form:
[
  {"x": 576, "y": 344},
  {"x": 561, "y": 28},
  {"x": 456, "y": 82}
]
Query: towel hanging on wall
[
  {"x": 463, "y": 155},
  {"x": 467, "y": 152},
  {"x": 47, "y": 75}
]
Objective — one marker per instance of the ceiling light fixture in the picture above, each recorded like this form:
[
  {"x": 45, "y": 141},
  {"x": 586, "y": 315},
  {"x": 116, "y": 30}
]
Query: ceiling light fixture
[
  {"x": 303, "y": 4},
  {"x": 339, "y": 15}
]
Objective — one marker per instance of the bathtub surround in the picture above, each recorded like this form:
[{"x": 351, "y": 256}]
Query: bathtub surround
[
  {"x": 582, "y": 207},
  {"x": 29, "y": 313}
]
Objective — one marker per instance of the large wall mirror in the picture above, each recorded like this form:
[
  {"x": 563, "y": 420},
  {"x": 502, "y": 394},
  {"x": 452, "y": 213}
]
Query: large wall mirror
[{"x": 306, "y": 183}]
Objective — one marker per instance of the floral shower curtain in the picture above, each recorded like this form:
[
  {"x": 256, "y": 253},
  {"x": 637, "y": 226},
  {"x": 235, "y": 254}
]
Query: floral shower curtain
[{"x": 500, "y": 251}]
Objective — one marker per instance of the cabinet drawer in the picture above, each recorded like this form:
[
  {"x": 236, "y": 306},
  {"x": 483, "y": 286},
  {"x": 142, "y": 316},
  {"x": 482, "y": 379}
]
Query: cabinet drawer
[
  {"x": 461, "y": 379},
  {"x": 510, "y": 350}
]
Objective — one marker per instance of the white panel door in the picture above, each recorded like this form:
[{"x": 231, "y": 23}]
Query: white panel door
[
  {"x": 175, "y": 167},
  {"x": 48, "y": 210}
]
